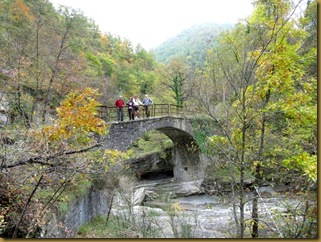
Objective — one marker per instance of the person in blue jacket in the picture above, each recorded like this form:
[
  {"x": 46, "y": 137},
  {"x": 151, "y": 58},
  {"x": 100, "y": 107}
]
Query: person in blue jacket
[{"x": 147, "y": 102}]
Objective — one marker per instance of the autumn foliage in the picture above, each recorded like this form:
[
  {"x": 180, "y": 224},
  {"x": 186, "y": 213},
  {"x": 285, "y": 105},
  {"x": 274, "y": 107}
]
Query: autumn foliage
[{"x": 76, "y": 118}]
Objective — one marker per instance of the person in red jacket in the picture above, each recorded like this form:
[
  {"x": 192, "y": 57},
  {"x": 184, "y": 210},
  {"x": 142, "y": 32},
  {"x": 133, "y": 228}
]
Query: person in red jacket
[{"x": 120, "y": 108}]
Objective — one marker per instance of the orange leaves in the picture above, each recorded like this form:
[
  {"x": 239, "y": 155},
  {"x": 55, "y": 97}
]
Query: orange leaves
[
  {"x": 77, "y": 118},
  {"x": 21, "y": 12}
]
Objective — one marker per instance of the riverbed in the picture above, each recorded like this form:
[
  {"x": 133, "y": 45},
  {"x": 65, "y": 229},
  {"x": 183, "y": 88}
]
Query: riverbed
[{"x": 204, "y": 216}]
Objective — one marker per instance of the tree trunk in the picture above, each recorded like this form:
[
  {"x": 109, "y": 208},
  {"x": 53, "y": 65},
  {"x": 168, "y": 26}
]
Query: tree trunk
[{"x": 258, "y": 180}]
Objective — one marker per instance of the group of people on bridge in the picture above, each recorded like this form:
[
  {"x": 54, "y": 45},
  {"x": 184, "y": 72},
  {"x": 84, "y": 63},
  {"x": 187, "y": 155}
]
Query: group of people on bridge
[{"x": 132, "y": 107}]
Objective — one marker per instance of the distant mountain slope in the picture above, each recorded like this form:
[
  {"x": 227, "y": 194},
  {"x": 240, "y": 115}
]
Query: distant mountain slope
[{"x": 191, "y": 43}]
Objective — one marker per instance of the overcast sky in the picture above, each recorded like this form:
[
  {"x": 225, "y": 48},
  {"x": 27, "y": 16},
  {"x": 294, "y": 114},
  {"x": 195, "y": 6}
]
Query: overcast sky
[{"x": 151, "y": 22}]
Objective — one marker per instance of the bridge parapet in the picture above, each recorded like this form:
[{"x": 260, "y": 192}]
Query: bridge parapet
[{"x": 109, "y": 113}]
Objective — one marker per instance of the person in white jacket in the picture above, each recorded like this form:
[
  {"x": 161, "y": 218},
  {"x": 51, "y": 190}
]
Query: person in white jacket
[{"x": 136, "y": 103}]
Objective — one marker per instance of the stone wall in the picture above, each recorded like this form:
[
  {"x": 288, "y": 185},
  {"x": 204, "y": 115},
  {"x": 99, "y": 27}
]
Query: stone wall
[{"x": 94, "y": 203}]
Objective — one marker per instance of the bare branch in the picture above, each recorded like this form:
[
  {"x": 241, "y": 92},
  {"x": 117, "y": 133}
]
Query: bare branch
[{"x": 44, "y": 160}]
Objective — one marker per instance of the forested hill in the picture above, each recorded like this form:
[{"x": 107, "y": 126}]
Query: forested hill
[{"x": 191, "y": 43}]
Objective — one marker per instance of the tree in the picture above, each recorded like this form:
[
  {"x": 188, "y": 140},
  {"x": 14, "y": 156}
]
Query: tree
[
  {"x": 70, "y": 28},
  {"x": 254, "y": 71},
  {"x": 41, "y": 55},
  {"x": 176, "y": 78},
  {"x": 280, "y": 70},
  {"x": 15, "y": 28},
  {"x": 309, "y": 23}
]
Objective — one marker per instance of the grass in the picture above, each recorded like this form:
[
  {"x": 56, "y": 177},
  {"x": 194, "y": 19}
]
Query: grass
[
  {"x": 96, "y": 228},
  {"x": 117, "y": 227}
]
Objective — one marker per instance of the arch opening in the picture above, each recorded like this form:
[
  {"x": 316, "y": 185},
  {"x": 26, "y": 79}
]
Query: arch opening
[{"x": 157, "y": 164}]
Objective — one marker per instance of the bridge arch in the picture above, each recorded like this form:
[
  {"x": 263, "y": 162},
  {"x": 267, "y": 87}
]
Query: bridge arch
[{"x": 187, "y": 164}]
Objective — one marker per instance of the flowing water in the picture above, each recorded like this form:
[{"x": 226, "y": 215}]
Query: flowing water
[{"x": 202, "y": 216}]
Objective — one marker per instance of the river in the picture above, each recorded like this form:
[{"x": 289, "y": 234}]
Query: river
[{"x": 203, "y": 216}]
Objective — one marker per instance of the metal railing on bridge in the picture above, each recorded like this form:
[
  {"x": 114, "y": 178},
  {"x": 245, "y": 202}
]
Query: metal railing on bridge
[{"x": 109, "y": 113}]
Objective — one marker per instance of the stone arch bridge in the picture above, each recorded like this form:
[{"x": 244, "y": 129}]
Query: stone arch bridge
[{"x": 186, "y": 162}]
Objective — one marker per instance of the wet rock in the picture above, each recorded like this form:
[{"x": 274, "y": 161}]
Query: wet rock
[{"x": 170, "y": 188}]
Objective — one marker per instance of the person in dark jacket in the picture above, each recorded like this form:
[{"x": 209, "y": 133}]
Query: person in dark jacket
[
  {"x": 130, "y": 105},
  {"x": 120, "y": 108}
]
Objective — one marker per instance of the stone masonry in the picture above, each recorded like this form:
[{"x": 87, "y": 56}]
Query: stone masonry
[{"x": 187, "y": 164}]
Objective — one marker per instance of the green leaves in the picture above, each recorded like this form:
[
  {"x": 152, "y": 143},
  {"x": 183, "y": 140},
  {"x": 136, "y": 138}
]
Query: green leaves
[{"x": 303, "y": 162}]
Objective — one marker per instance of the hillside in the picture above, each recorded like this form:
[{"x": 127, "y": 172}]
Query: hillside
[{"x": 191, "y": 42}]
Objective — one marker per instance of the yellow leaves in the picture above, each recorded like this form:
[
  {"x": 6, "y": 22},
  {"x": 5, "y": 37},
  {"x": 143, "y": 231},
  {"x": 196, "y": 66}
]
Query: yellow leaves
[
  {"x": 104, "y": 39},
  {"x": 255, "y": 163},
  {"x": 279, "y": 67},
  {"x": 298, "y": 107},
  {"x": 114, "y": 156},
  {"x": 77, "y": 118},
  {"x": 305, "y": 162},
  {"x": 2, "y": 222},
  {"x": 216, "y": 140},
  {"x": 177, "y": 207}
]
